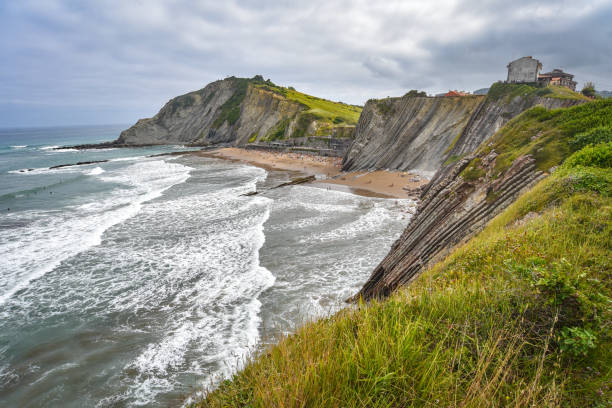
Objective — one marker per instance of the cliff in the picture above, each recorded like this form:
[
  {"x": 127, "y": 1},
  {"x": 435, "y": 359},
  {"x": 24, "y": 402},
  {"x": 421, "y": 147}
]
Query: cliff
[
  {"x": 422, "y": 133},
  {"x": 239, "y": 111},
  {"x": 516, "y": 317},
  {"x": 408, "y": 133},
  {"x": 486, "y": 169}
]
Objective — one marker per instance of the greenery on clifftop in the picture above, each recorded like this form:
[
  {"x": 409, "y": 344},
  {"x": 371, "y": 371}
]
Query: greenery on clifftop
[
  {"x": 322, "y": 109},
  {"x": 501, "y": 90},
  {"x": 519, "y": 316},
  {"x": 328, "y": 114},
  {"x": 549, "y": 135}
]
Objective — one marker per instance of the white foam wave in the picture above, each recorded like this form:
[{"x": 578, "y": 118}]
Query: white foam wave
[
  {"x": 95, "y": 171},
  {"x": 48, "y": 147},
  {"x": 215, "y": 314},
  {"x": 30, "y": 252},
  {"x": 19, "y": 146},
  {"x": 120, "y": 159}
]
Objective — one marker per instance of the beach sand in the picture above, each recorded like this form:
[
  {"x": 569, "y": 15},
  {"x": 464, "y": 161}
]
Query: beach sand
[{"x": 379, "y": 183}]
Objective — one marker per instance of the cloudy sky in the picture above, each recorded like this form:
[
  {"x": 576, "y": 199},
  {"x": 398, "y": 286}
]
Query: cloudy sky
[{"x": 114, "y": 61}]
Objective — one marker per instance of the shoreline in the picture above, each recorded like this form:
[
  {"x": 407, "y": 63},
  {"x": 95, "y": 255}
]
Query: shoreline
[{"x": 379, "y": 183}]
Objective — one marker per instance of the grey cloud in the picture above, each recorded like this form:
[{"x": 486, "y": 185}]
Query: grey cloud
[{"x": 129, "y": 57}]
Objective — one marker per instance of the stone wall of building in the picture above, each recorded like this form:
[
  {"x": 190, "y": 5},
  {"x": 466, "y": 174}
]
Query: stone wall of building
[{"x": 524, "y": 69}]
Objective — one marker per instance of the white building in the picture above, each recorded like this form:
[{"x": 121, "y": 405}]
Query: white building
[{"x": 524, "y": 69}]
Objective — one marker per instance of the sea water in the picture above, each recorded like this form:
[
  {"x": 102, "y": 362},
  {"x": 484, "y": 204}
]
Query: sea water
[{"x": 142, "y": 280}]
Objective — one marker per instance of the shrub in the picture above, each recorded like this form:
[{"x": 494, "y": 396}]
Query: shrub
[
  {"x": 414, "y": 93},
  {"x": 577, "y": 341},
  {"x": 385, "y": 107},
  {"x": 592, "y": 156},
  {"x": 473, "y": 171},
  {"x": 543, "y": 92},
  {"x": 595, "y": 136},
  {"x": 589, "y": 90}
]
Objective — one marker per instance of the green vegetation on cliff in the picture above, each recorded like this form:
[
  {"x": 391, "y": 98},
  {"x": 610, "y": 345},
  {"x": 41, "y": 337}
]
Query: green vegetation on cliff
[
  {"x": 549, "y": 135},
  {"x": 501, "y": 90},
  {"x": 327, "y": 114},
  {"x": 518, "y": 316},
  {"x": 321, "y": 109}
]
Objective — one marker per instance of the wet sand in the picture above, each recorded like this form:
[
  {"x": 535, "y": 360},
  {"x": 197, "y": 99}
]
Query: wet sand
[{"x": 379, "y": 183}]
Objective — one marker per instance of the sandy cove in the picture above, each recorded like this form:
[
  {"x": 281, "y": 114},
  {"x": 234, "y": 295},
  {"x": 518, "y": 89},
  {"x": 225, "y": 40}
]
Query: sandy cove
[{"x": 380, "y": 183}]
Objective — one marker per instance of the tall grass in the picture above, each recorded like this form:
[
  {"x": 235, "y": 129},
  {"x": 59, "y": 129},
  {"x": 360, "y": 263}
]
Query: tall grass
[{"x": 519, "y": 316}]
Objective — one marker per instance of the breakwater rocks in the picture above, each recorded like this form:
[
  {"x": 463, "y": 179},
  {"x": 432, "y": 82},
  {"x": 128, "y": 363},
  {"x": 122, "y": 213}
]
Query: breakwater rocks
[{"x": 463, "y": 195}]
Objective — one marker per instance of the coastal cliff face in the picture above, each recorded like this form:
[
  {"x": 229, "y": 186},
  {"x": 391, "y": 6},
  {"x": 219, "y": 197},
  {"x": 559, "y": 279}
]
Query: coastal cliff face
[
  {"x": 408, "y": 133},
  {"x": 227, "y": 111},
  {"x": 423, "y": 133},
  {"x": 481, "y": 177},
  {"x": 241, "y": 111}
]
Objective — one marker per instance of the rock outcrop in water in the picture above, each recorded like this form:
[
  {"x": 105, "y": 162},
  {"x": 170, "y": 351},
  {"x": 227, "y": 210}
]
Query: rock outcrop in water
[
  {"x": 240, "y": 111},
  {"x": 464, "y": 194}
]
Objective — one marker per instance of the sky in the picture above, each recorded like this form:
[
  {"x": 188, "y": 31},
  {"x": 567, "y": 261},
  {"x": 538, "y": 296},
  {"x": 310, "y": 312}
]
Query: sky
[{"x": 74, "y": 62}]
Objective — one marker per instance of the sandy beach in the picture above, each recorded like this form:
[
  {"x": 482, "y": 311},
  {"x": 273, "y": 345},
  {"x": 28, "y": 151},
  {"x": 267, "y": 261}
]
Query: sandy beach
[{"x": 380, "y": 183}]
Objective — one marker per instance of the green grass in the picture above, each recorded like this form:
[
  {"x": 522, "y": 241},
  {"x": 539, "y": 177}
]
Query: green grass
[
  {"x": 549, "y": 135},
  {"x": 519, "y": 316},
  {"x": 453, "y": 143},
  {"x": 230, "y": 110},
  {"x": 507, "y": 92},
  {"x": 327, "y": 113},
  {"x": 278, "y": 131},
  {"x": 473, "y": 171},
  {"x": 321, "y": 109}
]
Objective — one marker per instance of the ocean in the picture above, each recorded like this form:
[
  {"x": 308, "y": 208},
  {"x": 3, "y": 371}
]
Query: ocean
[{"x": 143, "y": 280}]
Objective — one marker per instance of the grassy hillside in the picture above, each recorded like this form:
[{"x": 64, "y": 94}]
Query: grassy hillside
[
  {"x": 519, "y": 316},
  {"x": 548, "y": 135},
  {"x": 328, "y": 114},
  {"x": 510, "y": 91},
  {"x": 323, "y": 109}
]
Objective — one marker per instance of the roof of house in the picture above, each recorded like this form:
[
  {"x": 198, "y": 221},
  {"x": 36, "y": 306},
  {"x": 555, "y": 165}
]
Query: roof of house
[
  {"x": 456, "y": 93},
  {"x": 522, "y": 58},
  {"x": 556, "y": 73}
]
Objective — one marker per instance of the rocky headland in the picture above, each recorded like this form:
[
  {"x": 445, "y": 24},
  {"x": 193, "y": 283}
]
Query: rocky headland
[
  {"x": 492, "y": 295},
  {"x": 248, "y": 111}
]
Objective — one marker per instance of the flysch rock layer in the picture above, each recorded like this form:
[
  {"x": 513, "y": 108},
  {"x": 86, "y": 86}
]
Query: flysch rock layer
[
  {"x": 452, "y": 209},
  {"x": 191, "y": 118},
  {"x": 408, "y": 133}
]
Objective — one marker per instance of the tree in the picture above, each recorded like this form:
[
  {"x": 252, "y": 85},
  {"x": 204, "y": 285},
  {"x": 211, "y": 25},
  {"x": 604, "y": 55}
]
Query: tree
[
  {"x": 414, "y": 93},
  {"x": 589, "y": 90}
]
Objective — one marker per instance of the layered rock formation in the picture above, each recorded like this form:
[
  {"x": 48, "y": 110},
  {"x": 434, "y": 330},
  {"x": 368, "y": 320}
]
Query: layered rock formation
[
  {"x": 463, "y": 195},
  {"x": 422, "y": 133},
  {"x": 239, "y": 111},
  {"x": 408, "y": 133},
  {"x": 227, "y": 111}
]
